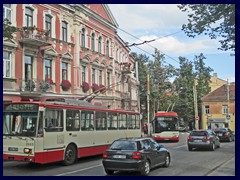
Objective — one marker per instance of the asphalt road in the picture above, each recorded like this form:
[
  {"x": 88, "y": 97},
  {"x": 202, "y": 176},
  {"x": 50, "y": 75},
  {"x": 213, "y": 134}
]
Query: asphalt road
[{"x": 220, "y": 162}]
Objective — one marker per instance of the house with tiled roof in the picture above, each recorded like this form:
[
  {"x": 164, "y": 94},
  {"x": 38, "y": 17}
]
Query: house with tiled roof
[
  {"x": 217, "y": 105},
  {"x": 216, "y": 82}
]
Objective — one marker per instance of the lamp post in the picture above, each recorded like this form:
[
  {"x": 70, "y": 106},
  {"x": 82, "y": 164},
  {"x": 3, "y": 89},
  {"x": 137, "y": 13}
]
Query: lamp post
[
  {"x": 148, "y": 103},
  {"x": 196, "y": 118}
]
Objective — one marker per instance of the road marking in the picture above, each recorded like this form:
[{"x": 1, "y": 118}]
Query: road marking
[
  {"x": 179, "y": 146},
  {"x": 71, "y": 172}
]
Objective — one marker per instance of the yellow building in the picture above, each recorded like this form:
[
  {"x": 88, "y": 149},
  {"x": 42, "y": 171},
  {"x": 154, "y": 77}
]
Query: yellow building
[
  {"x": 215, "y": 108},
  {"x": 216, "y": 82}
]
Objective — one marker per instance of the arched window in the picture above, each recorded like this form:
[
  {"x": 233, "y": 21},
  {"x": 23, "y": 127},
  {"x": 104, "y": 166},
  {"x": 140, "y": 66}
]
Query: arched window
[
  {"x": 107, "y": 48},
  {"x": 93, "y": 42},
  {"x": 100, "y": 44},
  {"x": 83, "y": 37}
]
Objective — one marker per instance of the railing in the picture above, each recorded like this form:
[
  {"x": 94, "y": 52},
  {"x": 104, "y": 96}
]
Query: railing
[
  {"x": 34, "y": 33},
  {"x": 34, "y": 85}
]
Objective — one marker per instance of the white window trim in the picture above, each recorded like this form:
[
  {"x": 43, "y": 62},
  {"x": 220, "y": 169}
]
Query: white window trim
[
  {"x": 68, "y": 30},
  {"x": 4, "y": 65},
  {"x": 35, "y": 12},
  {"x": 48, "y": 12}
]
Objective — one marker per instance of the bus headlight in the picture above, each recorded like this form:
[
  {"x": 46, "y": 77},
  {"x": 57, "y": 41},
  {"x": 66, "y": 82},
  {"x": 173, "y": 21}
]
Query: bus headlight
[{"x": 27, "y": 150}]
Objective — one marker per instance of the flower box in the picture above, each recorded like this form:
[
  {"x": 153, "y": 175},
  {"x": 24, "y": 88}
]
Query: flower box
[
  {"x": 85, "y": 86},
  {"x": 65, "y": 85}
]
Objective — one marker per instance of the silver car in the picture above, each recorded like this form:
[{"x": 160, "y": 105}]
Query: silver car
[{"x": 203, "y": 139}]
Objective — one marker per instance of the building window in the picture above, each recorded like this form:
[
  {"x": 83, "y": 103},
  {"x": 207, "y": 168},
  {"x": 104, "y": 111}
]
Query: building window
[
  {"x": 64, "y": 71},
  {"x": 93, "y": 75},
  {"x": 108, "y": 78},
  {"x": 28, "y": 67},
  {"x": 64, "y": 31},
  {"x": 48, "y": 69},
  {"x": 83, "y": 37},
  {"x": 225, "y": 109},
  {"x": 100, "y": 77},
  {"x": 93, "y": 42},
  {"x": 107, "y": 48},
  {"x": 48, "y": 24},
  {"x": 100, "y": 44},
  {"x": 6, "y": 64},
  {"x": 7, "y": 11},
  {"x": 29, "y": 17},
  {"x": 83, "y": 73},
  {"x": 207, "y": 110}
]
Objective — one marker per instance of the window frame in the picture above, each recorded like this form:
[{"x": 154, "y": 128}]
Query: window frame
[{"x": 7, "y": 63}]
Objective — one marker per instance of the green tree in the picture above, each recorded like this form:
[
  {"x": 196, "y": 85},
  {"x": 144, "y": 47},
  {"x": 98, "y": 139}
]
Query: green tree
[
  {"x": 184, "y": 88},
  {"x": 215, "y": 20},
  {"x": 8, "y": 30},
  {"x": 202, "y": 74}
]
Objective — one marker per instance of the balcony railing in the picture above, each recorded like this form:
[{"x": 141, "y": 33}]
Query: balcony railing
[
  {"x": 35, "y": 36},
  {"x": 40, "y": 86}
]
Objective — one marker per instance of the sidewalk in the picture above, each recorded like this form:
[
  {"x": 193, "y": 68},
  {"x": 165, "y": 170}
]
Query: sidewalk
[{"x": 226, "y": 169}]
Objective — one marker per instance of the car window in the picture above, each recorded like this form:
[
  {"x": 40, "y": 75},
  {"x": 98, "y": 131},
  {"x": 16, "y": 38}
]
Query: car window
[
  {"x": 146, "y": 144},
  {"x": 124, "y": 145},
  {"x": 198, "y": 133}
]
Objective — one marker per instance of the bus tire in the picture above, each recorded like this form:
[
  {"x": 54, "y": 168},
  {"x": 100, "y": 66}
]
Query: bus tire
[{"x": 70, "y": 155}]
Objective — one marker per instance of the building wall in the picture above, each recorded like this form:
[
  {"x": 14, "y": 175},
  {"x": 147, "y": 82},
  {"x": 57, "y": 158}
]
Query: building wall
[
  {"x": 70, "y": 52},
  {"x": 216, "y": 82},
  {"x": 216, "y": 113}
]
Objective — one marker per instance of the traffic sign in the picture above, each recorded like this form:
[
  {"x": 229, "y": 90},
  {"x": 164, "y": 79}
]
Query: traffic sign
[
  {"x": 228, "y": 116},
  {"x": 197, "y": 118}
]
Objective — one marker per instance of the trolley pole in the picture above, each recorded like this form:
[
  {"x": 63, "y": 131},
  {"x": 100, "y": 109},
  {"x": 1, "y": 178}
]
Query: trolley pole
[{"x": 148, "y": 104}]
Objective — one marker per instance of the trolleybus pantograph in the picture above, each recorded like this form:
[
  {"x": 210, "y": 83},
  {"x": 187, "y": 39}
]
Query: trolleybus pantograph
[
  {"x": 51, "y": 131},
  {"x": 165, "y": 126}
]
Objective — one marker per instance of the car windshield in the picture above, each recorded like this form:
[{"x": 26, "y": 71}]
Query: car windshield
[
  {"x": 199, "y": 133},
  {"x": 220, "y": 129},
  {"x": 124, "y": 145}
]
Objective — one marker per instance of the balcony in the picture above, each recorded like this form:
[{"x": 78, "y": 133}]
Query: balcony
[
  {"x": 37, "y": 86},
  {"x": 35, "y": 36}
]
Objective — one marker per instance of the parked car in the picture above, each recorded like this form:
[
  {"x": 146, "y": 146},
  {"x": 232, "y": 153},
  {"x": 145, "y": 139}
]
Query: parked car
[
  {"x": 135, "y": 154},
  {"x": 225, "y": 134},
  {"x": 203, "y": 139}
]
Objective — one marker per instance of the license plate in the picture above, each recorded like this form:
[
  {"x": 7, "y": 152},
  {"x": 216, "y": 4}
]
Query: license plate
[
  {"x": 197, "y": 140},
  {"x": 119, "y": 156},
  {"x": 220, "y": 134},
  {"x": 12, "y": 149}
]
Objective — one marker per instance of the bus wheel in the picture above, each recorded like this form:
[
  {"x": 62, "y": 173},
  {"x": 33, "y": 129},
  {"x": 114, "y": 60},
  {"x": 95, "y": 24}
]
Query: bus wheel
[{"x": 70, "y": 155}]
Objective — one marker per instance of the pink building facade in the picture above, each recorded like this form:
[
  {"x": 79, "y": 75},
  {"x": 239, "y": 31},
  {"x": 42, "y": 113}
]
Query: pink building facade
[{"x": 67, "y": 51}]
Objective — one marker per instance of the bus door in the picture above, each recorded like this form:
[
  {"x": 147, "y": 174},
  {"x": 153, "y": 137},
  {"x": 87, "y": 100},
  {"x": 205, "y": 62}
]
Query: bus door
[{"x": 53, "y": 143}]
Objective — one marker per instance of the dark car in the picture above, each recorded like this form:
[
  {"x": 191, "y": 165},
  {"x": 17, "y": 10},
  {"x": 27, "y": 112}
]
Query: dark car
[
  {"x": 203, "y": 139},
  {"x": 135, "y": 154},
  {"x": 225, "y": 134}
]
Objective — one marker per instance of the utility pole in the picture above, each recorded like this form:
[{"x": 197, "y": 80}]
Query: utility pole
[
  {"x": 196, "y": 118},
  {"x": 148, "y": 103},
  {"x": 228, "y": 106}
]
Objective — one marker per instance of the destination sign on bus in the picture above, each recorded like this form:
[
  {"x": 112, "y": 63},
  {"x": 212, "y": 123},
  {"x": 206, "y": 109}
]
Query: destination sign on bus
[{"x": 21, "y": 107}]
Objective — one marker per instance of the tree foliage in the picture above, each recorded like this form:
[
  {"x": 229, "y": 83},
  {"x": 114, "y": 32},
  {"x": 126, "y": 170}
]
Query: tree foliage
[
  {"x": 215, "y": 20},
  {"x": 8, "y": 30}
]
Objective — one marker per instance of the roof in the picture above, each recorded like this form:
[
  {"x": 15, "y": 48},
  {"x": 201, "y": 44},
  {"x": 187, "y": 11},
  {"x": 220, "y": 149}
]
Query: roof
[{"x": 220, "y": 94}]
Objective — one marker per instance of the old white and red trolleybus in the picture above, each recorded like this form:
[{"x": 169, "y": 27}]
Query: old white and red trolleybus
[
  {"x": 45, "y": 132},
  {"x": 165, "y": 126}
]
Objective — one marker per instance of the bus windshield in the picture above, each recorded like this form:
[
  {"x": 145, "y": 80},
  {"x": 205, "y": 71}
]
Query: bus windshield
[
  {"x": 20, "y": 123},
  {"x": 165, "y": 124}
]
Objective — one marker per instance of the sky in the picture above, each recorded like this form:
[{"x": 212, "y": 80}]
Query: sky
[{"x": 163, "y": 22}]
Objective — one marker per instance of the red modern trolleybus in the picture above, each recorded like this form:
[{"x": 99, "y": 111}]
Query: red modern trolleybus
[
  {"x": 44, "y": 132},
  {"x": 165, "y": 126}
]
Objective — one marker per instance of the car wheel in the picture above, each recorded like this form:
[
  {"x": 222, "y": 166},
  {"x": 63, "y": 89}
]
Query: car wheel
[
  {"x": 189, "y": 148},
  {"x": 146, "y": 168},
  {"x": 213, "y": 147},
  {"x": 109, "y": 172},
  {"x": 167, "y": 161},
  {"x": 70, "y": 155}
]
